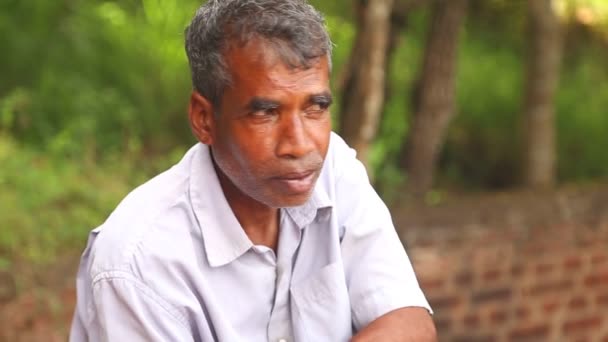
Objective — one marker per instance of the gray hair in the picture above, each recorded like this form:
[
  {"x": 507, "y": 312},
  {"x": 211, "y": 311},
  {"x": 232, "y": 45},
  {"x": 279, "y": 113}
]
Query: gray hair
[{"x": 295, "y": 30}]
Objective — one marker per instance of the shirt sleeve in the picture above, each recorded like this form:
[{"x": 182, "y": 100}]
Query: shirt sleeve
[
  {"x": 125, "y": 309},
  {"x": 379, "y": 274}
]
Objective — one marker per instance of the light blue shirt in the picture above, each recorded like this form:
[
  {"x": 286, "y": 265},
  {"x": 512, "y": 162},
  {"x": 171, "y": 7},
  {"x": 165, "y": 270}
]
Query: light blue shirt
[{"x": 172, "y": 263}]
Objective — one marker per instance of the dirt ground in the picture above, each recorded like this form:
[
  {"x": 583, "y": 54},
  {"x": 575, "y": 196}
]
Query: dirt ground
[{"x": 42, "y": 309}]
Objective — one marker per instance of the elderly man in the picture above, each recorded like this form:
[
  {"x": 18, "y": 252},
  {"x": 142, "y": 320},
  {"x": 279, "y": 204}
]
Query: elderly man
[{"x": 268, "y": 229}]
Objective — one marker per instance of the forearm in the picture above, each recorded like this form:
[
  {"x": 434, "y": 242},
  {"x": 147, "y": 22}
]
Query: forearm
[{"x": 402, "y": 325}]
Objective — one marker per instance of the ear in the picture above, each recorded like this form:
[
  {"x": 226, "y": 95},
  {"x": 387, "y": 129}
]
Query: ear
[{"x": 202, "y": 121}]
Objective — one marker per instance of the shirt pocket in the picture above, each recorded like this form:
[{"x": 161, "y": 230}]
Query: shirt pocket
[{"x": 321, "y": 306}]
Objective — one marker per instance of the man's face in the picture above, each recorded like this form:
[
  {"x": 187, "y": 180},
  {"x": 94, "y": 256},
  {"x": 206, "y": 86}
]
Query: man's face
[{"x": 272, "y": 131}]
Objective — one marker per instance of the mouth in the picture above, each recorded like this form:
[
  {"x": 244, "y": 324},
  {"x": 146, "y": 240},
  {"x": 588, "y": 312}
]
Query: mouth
[{"x": 297, "y": 183}]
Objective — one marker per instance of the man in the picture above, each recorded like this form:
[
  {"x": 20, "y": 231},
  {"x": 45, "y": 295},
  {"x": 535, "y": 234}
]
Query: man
[{"x": 268, "y": 230}]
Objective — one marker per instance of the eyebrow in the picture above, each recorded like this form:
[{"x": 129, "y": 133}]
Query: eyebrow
[
  {"x": 323, "y": 98},
  {"x": 261, "y": 104}
]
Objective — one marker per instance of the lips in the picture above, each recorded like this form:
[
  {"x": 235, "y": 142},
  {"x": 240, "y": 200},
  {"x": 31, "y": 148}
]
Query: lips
[{"x": 297, "y": 183}]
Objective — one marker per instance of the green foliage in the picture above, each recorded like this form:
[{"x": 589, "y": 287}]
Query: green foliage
[
  {"x": 483, "y": 148},
  {"x": 403, "y": 71},
  {"x": 94, "y": 76},
  {"x": 342, "y": 34},
  {"x": 92, "y": 92},
  {"x": 48, "y": 205},
  {"x": 582, "y": 122},
  {"x": 483, "y": 144}
]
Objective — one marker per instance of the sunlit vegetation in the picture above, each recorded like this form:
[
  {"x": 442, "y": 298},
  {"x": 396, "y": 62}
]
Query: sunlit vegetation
[{"x": 93, "y": 97}]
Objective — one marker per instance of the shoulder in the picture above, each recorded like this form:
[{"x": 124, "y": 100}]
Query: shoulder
[
  {"x": 343, "y": 174},
  {"x": 343, "y": 162},
  {"x": 348, "y": 185},
  {"x": 141, "y": 221}
]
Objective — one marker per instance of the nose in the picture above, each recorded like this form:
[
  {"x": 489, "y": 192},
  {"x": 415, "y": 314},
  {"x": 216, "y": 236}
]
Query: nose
[{"x": 294, "y": 141}]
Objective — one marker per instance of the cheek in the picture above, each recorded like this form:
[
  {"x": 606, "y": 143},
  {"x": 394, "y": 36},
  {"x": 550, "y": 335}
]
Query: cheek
[{"x": 253, "y": 149}]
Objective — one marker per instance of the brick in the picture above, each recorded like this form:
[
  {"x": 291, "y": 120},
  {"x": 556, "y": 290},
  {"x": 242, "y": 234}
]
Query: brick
[
  {"x": 517, "y": 270},
  {"x": 550, "y": 287},
  {"x": 582, "y": 339},
  {"x": 471, "y": 321},
  {"x": 602, "y": 300},
  {"x": 425, "y": 242},
  {"x": 577, "y": 303},
  {"x": 543, "y": 269},
  {"x": 598, "y": 279},
  {"x": 491, "y": 275},
  {"x": 522, "y": 312},
  {"x": 469, "y": 338},
  {"x": 444, "y": 302},
  {"x": 536, "y": 249},
  {"x": 583, "y": 324},
  {"x": 499, "y": 294},
  {"x": 531, "y": 332},
  {"x": 431, "y": 284},
  {"x": 498, "y": 317},
  {"x": 550, "y": 306},
  {"x": 454, "y": 241},
  {"x": 443, "y": 325},
  {"x": 599, "y": 259},
  {"x": 572, "y": 263},
  {"x": 464, "y": 278}
]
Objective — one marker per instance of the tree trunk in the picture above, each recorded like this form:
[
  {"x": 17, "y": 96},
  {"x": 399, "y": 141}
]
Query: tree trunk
[
  {"x": 542, "y": 72},
  {"x": 434, "y": 96},
  {"x": 363, "y": 92},
  {"x": 398, "y": 23}
]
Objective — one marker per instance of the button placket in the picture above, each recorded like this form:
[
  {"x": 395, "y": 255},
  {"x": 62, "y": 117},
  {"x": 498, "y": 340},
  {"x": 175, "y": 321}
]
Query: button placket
[{"x": 279, "y": 327}]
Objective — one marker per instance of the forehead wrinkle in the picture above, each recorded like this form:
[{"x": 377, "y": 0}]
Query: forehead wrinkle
[
  {"x": 295, "y": 81},
  {"x": 281, "y": 78},
  {"x": 259, "y": 71}
]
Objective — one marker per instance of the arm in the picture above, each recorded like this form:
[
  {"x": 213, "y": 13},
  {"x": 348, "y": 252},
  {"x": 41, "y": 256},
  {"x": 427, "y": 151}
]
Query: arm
[
  {"x": 124, "y": 309},
  {"x": 405, "y": 325},
  {"x": 386, "y": 300}
]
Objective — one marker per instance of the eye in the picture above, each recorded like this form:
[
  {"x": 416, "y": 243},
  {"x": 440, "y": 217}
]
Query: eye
[
  {"x": 264, "y": 113},
  {"x": 262, "y": 108},
  {"x": 318, "y": 108}
]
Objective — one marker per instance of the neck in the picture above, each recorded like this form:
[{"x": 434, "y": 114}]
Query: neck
[{"x": 259, "y": 221}]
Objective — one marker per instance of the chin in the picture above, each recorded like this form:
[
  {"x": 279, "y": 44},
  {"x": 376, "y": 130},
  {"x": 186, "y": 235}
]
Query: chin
[{"x": 290, "y": 201}]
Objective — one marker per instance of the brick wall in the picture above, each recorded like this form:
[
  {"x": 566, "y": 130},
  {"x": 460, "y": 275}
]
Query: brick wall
[{"x": 493, "y": 278}]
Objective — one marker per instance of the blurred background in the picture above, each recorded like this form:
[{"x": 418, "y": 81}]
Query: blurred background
[{"x": 483, "y": 124}]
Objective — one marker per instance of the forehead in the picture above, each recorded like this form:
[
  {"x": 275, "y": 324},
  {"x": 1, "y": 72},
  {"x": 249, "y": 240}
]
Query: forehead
[{"x": 256, "y": 66}]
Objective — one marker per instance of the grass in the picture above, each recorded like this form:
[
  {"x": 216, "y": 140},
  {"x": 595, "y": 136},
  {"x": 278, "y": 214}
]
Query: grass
[{"x": 49, "y": 203}]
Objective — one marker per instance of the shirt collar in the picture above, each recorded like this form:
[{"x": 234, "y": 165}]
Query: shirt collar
[
  {"x": 224, "y": 238},
  {"x": 317, "y": 205}
]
